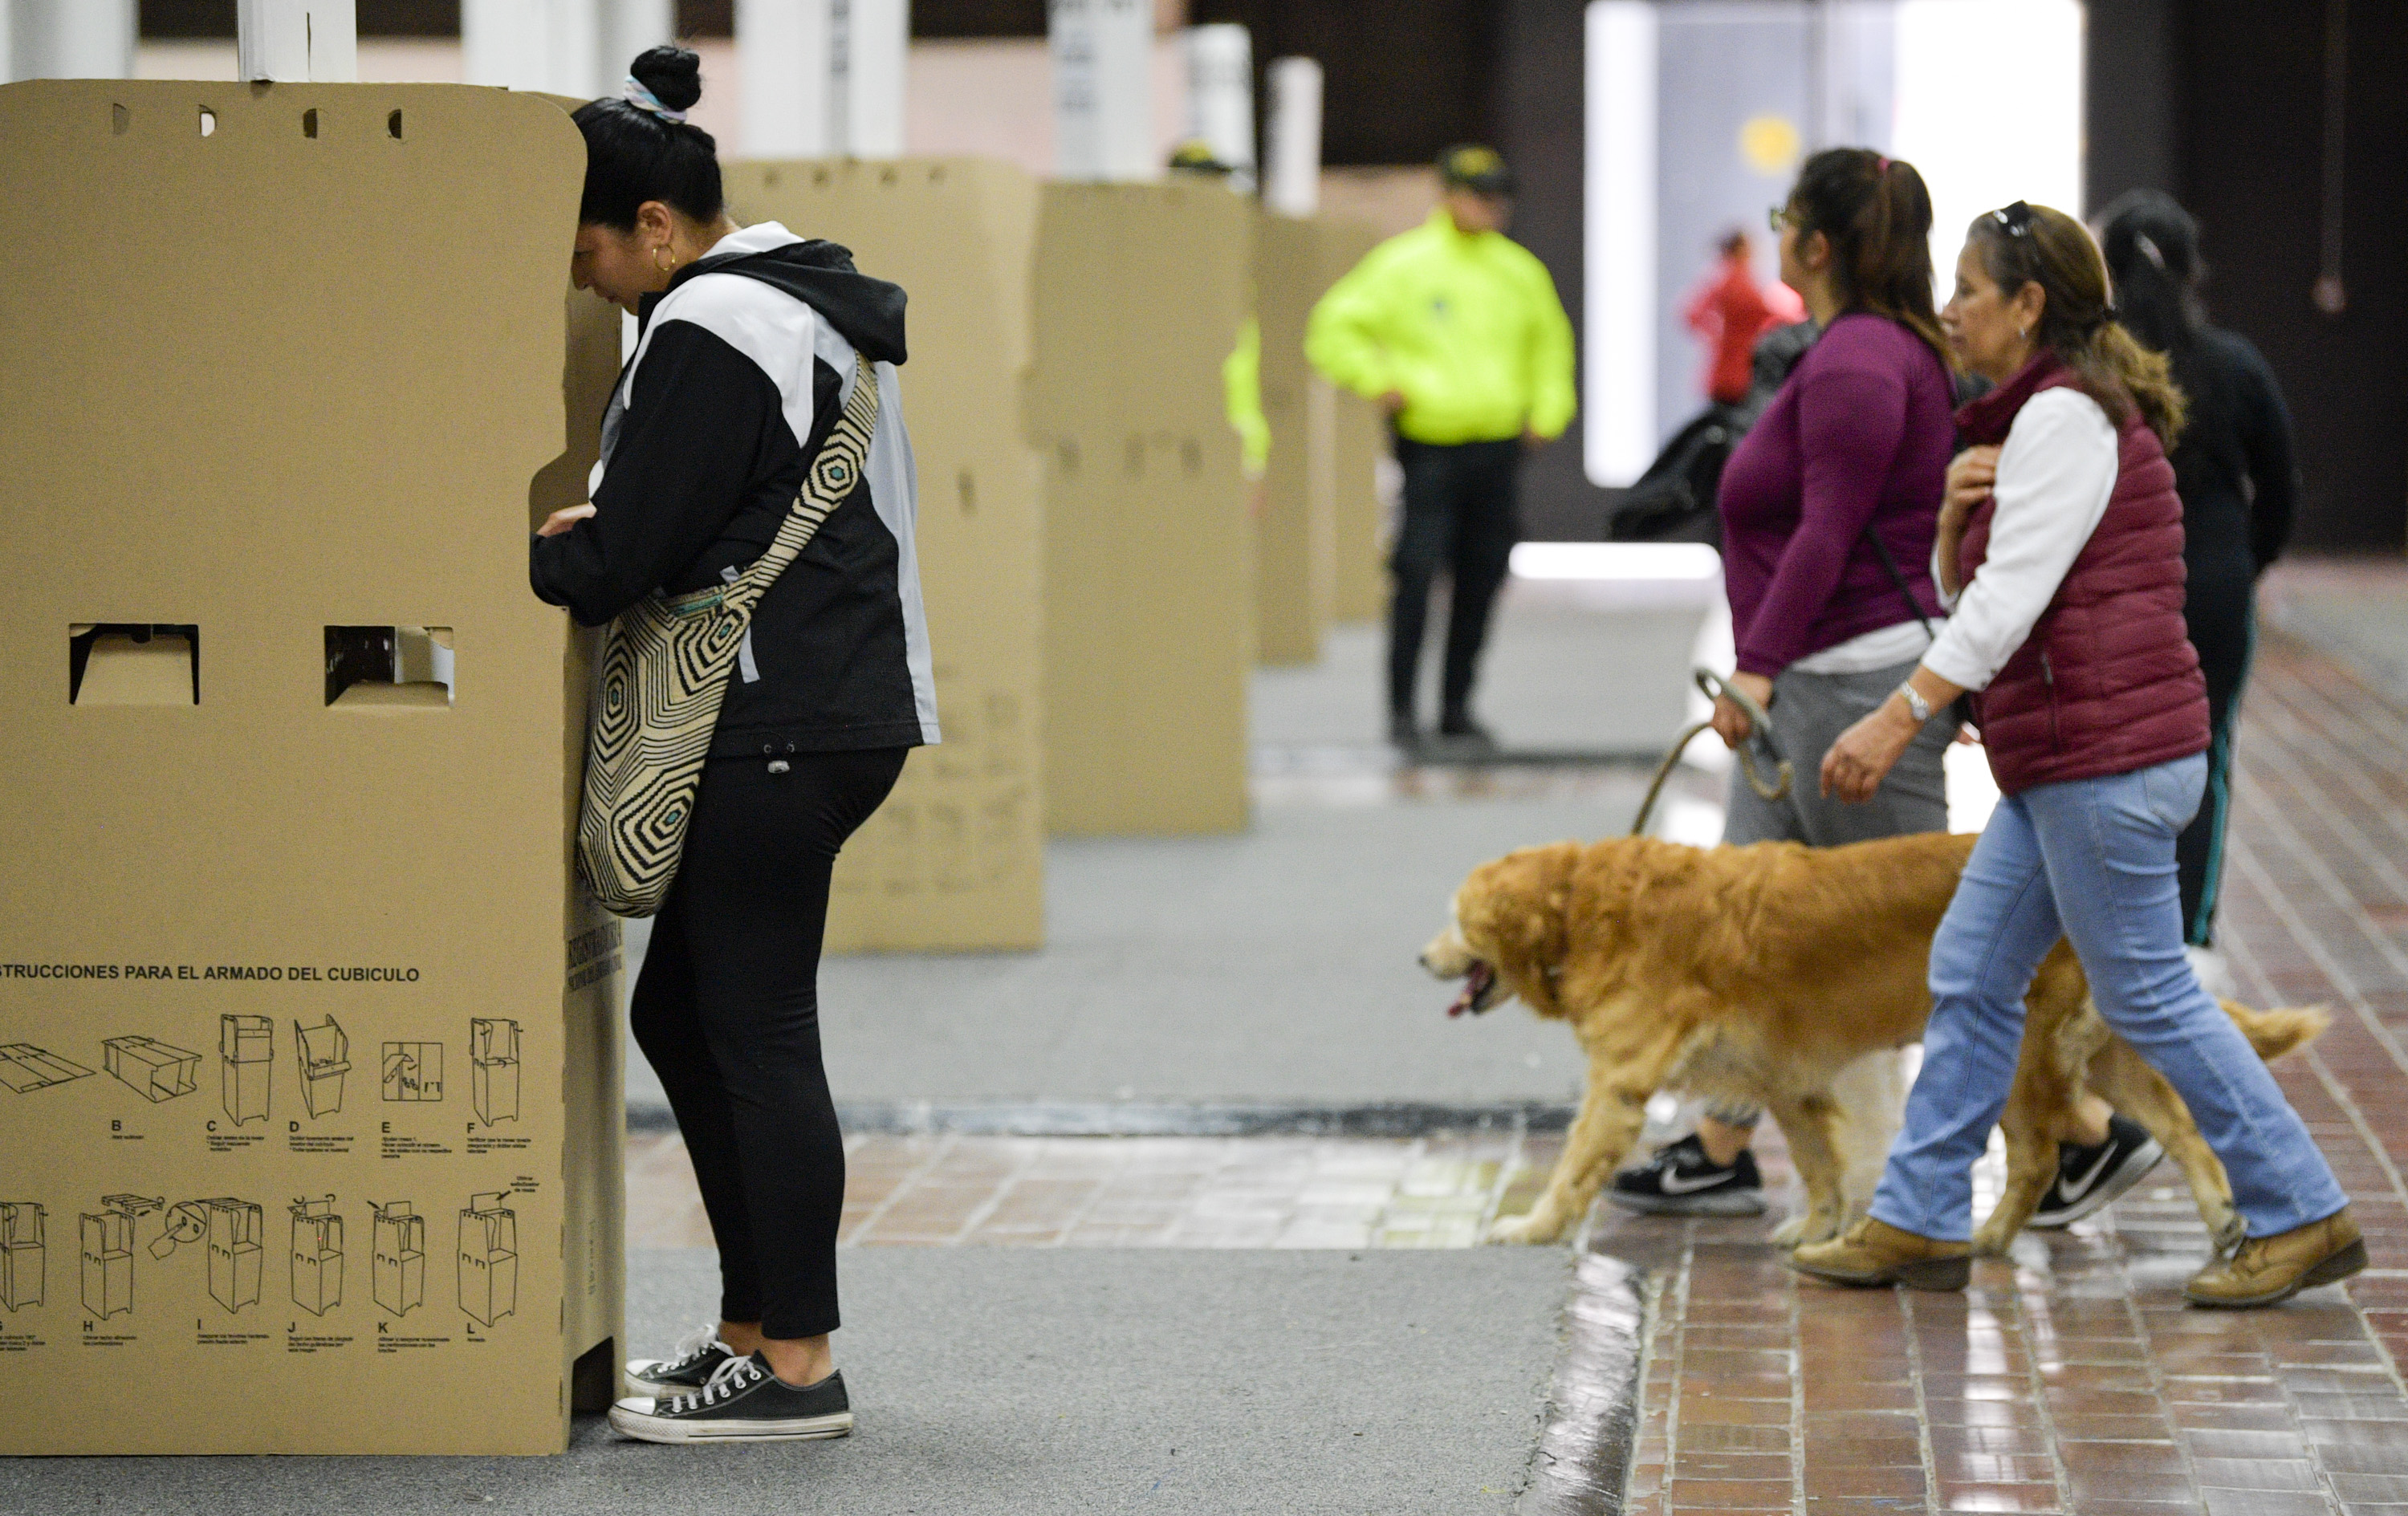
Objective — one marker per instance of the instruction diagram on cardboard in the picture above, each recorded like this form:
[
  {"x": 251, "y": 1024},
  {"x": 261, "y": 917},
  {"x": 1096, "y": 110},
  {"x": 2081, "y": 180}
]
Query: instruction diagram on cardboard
[
  {"x": 399, "y": 1266},
  {"x": 24, "y": 1068},
  {"x": 489, "y": 1258},
  {"x": 324, "y": 1054},
  {"x": 413, "y": 1070},
  {"x": 21, "y": 1255},
  {"x": 494, "y": 1068},
  {"x": 234, "y": 1231},
  {"x": 150, "y": 1068},
  {"x": 247, "y": 1058},
  {"x": 317, "y": 1254},
  {"x": 108, "y": 1252}
]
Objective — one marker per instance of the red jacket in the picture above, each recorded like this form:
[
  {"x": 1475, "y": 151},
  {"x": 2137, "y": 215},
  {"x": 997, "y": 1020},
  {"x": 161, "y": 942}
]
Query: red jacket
[
  {"x": 2108, "y": 681},
  {"x": 1731, "y": 312}
]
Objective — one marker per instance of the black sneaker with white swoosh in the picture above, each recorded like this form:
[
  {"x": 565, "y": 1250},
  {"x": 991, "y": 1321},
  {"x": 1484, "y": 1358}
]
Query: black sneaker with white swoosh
[
  {"x": 2089, "y": 1177},
  {"x": 744, "y": 1402},
  {"x": 1681, "y": 1181}
]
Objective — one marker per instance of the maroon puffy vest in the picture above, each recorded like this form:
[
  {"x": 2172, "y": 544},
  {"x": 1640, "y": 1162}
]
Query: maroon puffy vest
[{"x": 2108, "y": 681}]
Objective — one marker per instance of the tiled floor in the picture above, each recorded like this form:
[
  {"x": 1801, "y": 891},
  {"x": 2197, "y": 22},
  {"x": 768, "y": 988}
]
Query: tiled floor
[
  {"x": 2069, "y": 1378},
  {"x": 1138, "y": 1192}
]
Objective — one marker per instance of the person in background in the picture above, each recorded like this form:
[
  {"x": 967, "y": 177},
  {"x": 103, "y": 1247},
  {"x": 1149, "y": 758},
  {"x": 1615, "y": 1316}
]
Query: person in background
[
  {"x": 2234, "y": 470},
  {"x": 1828, "y": 507},
  {"x": 1455, "y": 330},
  {"x": 1730, "y": 312},
  {"x": 2065, "y": 568},
  {"x": 753, "y": 343}
]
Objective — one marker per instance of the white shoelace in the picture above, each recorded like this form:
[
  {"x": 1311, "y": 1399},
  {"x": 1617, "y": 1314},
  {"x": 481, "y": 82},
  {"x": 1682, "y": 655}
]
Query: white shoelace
[
  {"x": 728, "y": 1380},
  {"x": 695, "y": 1343}
]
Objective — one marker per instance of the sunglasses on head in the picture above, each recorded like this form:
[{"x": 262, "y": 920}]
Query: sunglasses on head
[{"x": 2016, "y": 219}]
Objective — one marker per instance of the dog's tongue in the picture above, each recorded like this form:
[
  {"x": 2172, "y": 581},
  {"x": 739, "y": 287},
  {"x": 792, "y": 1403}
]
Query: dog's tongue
[{"x": 1472, "y": 986}]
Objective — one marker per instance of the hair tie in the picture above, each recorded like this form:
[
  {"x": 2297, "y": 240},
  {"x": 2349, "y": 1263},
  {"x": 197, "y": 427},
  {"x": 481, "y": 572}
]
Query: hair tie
[
  {"x": 634, "y": 92},
  {"x": 1881, "y": 163}
]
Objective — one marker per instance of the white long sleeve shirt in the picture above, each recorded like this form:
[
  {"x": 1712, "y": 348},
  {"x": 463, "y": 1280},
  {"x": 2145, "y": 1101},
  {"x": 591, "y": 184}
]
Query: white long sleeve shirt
[{"x": 2056, "y": 474}]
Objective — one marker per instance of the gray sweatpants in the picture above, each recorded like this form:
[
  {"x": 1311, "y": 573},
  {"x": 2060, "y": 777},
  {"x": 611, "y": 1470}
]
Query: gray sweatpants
[{"x": 1809, "y": 712}]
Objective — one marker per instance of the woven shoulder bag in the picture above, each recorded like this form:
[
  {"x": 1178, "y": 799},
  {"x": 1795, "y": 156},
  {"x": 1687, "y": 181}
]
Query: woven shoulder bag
[{"x": 664, "y": 665}]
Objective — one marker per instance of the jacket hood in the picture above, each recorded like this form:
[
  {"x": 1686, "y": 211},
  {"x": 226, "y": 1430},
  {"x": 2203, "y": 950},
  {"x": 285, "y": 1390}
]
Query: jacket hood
[{"x": 866, "y": 312}]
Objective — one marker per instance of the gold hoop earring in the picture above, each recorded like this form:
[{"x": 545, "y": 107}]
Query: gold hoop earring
[{"x": 668, "y": 267}]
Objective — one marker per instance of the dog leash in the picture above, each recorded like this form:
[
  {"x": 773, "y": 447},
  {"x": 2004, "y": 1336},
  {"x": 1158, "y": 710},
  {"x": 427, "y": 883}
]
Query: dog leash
[{"x": 1759, "y": 726}]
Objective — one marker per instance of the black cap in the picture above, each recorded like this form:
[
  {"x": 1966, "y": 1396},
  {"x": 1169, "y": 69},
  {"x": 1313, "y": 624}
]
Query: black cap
[{"x": 1474, "y": 167}]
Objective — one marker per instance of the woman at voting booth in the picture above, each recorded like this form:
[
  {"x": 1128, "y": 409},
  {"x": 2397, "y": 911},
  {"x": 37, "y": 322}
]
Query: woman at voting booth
[{"x": 753, "y": 456}]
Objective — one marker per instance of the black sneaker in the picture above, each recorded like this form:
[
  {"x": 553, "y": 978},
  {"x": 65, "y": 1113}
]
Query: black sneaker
[
  {"x": 694, "y": 1360},
  {"x": 743, "y": 1402},
  {"x": 1460, "y": 734},
  {"x": 1403, "y": 734},
  {"x": 1681, "y": 1181},
  {"x": 2088, "y": 1178}
]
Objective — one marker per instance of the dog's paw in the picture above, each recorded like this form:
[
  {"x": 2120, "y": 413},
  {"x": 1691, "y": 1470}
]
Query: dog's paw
[
  {"x": 1806, "y": 1227},
  {"x": 1790, "y": 1234},
  {"x": 1992, "y": 1240},
  {"x": 1535, "y": 1227}
]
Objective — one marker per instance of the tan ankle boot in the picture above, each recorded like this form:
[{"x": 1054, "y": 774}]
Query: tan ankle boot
[
  {"x": 2268, "y": 1269},
  {"x": 1875, "y": 1252}
]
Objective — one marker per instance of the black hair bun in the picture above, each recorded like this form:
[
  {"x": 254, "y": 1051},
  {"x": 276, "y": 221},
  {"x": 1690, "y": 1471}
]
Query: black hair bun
[{"x": 673, "y": 74}]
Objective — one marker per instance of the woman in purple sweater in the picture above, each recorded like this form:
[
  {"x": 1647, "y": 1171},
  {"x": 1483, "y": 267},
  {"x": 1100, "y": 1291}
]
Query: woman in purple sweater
[{"x": 1830, "y": 507}]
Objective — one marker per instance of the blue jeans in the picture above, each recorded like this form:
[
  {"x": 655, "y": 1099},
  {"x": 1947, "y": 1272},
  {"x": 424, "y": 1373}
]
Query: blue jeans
[{"x": 2092, "y": 860}]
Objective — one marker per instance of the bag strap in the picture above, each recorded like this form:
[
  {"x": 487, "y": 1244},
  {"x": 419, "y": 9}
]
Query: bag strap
[
  {"x": 1881, "y": 551},
  {"x": 834, "y": 473}
]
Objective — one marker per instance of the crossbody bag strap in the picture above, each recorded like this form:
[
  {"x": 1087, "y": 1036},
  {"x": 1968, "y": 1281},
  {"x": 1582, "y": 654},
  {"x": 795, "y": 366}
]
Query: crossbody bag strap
[
  {"x": 1881, "y": 551},
  {"x": 834, "y": 473}
]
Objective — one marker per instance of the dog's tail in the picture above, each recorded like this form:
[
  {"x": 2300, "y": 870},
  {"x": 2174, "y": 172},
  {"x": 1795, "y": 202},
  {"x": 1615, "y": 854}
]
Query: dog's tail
[{"x": 2274, "y": 1033}]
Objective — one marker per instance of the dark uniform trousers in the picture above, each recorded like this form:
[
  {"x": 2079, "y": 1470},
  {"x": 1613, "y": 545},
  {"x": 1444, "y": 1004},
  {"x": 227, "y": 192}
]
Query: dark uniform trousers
[{"x": 1460, "y": 515}]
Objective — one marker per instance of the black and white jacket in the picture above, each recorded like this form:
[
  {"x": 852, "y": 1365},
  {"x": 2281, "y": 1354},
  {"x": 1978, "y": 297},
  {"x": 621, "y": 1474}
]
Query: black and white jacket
[{"x": 743, "y": 366}]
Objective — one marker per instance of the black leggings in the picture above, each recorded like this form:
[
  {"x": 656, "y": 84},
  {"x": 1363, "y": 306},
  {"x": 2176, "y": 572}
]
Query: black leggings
[
  {"x": 728, "y": 1011},
  {"x": 1460, "y": 515}
]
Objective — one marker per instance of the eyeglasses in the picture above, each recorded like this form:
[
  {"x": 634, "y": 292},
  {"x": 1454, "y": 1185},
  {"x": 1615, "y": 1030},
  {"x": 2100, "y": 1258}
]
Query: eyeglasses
[
  {"x": 1779, "y": 216},
  {"x": 2016, "y": 219}
]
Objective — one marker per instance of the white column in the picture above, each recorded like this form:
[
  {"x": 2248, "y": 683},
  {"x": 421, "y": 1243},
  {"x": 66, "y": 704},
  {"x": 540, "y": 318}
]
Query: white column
[
  {"x": 1292, "y": 139},
  {"x": 547, "y": 45},
  {"x": 784, "y": 49},
  {"x": 1221, "y": 95},
  {"x": 624, "y": 29},
  {"x": 1618, "y": 437},
  {"x": 870, "y": 65},
  {"x": 71, "y": 38},
  {"x": 292, "y": 41},
  {"x": 1103, "y": 88}
]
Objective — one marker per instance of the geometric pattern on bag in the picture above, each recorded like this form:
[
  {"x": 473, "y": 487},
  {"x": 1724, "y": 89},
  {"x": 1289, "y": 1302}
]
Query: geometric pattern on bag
[{"x": 666, "y": 662}]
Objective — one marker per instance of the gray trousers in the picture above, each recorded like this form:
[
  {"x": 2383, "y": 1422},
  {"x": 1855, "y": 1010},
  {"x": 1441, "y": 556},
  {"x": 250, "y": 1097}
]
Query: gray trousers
[{"x": 1809, "y": 712}]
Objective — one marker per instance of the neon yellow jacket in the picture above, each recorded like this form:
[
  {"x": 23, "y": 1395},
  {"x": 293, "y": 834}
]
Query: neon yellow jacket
[
  {"x": 1241, "y": 387},
  {"x": 1467, "y": 328}
]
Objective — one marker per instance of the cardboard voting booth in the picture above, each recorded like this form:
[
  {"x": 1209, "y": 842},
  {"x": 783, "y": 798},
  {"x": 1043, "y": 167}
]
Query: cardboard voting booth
[
  {"x": 954, "y": 860},
  {"x": 293, "y": 753},
  {"x": 1149, "y": 553},
  {"x": 1358, "y": 445},
  {"x": 1296, "y": 538}
]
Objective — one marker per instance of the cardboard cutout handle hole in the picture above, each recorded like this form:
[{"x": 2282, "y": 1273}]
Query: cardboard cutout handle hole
[
  {"x": 209, "y": 122},
  {"x": 393, "y": 126},
  {"x": 133, "y": 664},
  {"x": 119, "y": 119},
  {"x": 389, "y": 668},
  {"x": 309, "y": 124}
]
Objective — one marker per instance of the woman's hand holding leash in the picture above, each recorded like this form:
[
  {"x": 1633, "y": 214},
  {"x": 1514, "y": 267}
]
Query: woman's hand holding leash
[
  {"x": 1865, "y": 752},
  {"x": 1731, "y": 724}
]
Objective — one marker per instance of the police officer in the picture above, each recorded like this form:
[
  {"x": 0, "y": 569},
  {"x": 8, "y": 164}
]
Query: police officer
[{"x": 1457, "y": 332}]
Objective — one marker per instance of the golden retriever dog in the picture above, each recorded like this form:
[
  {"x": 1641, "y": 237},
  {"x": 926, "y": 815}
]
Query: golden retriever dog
[{"x": 1767, "y": 974}]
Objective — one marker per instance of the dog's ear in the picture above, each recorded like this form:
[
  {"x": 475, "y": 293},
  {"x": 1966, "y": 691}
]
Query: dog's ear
[{"x": 1521, "y": 915}]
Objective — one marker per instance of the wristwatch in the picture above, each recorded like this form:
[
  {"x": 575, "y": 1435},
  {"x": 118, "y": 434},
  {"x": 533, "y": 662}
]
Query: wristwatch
[{"x": 1915, "y": 704}]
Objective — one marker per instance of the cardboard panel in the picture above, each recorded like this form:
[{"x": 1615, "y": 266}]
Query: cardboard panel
[
  {"x": 1359, "y": 440},
  {"x": 956, "y": 858},
  {"x": 304, "y": 364},
  {"x": 1295, "y": 547},
  {"x": 1149, "y": 553}
]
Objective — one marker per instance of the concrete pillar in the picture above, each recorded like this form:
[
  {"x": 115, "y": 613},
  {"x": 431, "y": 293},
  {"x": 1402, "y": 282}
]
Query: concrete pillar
[
  {"x": 1220, "y": 95},
  {"x": 1292, "y": 139},
  {"x": 71, "y": 38},
  {"x": 549, "y": 45},
  {"x": 785, "y": 50},
  {"x": 870, "y": 60},
  {"x": 625, "y": 28},
  {"x": 297, "y": 41},
  {"x": 1103, "y": 88}
]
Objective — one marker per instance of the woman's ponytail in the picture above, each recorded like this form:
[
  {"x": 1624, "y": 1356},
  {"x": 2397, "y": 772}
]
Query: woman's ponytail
[
  {"x": 640, "y": 147},
  {"x": 1876, "y": 214}
]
